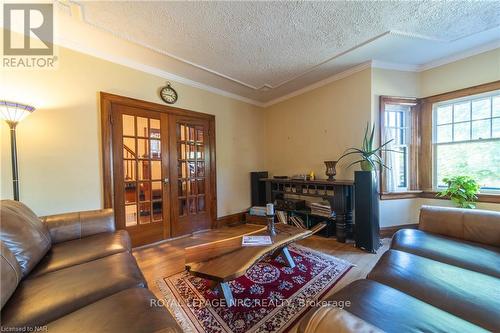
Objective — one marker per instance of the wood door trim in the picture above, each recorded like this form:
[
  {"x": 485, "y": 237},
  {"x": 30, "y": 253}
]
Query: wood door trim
[{"x": 106, "y": 102}]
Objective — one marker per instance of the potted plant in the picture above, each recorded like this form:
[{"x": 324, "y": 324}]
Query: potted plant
[
  {"x": 462, "y": 190},
  {"x": 369, "y": 156}
]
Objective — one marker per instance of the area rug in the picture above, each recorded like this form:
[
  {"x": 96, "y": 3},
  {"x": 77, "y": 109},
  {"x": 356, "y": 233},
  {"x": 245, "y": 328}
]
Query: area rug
[{"x": 270, "y": 297}]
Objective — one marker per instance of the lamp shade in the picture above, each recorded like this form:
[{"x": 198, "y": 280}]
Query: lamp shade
[{"x": 14, "y": 112}]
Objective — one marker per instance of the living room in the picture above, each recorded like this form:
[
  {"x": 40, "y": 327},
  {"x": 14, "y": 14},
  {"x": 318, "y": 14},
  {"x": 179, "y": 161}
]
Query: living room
[{"x": 149, "y": 118}]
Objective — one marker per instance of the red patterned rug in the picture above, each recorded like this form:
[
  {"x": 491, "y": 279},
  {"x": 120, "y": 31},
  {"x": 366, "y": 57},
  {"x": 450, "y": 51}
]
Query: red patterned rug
[{"x": 270, "y": 297}]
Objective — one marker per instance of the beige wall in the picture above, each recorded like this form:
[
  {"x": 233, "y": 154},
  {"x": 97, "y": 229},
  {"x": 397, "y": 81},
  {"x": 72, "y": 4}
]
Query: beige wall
[
  {"x": 468, "y": 72},
  {"x": 306, "y": 130},
  {"x": 59, "y": 144}
]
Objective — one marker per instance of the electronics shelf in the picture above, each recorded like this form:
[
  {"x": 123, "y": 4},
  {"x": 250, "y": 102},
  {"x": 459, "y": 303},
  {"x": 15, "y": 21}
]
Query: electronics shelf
[{"x": 338, "y": 193}]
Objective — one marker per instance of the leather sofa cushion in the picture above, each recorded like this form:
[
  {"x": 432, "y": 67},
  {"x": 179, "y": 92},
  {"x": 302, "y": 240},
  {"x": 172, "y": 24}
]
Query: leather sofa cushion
[
  {"x": 10, "y": 274},
  {"x": 469, "y": 295},
  {"x": 394, "y": 311},
  {"x": 69, "y": 226},
  {"x": 48, "y": 297},
  {"x": 472, "y": 256},
  {"x": 79, "y": 251},
  {"x": 127, "y": 311},
  {"x": 474, "y": 225},
  {"x": 24, "y": 234},
  {"x": 329, "y": 319}
]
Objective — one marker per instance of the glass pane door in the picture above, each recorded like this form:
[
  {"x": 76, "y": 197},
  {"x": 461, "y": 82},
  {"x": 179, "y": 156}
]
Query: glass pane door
[
  {"x": 191, "y": 163},
  {"x": 141, "y": 174},
  {"x": 143, "y": 184},
  {"x": 193, "y": 178}
]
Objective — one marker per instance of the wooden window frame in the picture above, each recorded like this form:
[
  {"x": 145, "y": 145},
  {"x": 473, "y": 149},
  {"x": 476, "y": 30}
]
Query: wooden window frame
[
  {"x": 426, "y": 153},
  {"x": 106, "y": 102},
  {"x": 412, "y": 189},
  {"x": 421, "y": 151}
]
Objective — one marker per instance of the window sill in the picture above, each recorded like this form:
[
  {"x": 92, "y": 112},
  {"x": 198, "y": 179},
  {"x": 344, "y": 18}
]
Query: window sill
[
  {"x": 400, "y": 195},
  {"x": 482, "y": 197}
]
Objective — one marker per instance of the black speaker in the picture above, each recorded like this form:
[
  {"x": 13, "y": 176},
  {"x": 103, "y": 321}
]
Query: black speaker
[
  {"x": 258, "y": 188},
  {"x": 366, "y": 210}
]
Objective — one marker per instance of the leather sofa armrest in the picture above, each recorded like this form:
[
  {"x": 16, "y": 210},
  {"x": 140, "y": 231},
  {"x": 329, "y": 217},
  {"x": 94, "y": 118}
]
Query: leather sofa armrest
[
  {"x": 69, "y": 226},
  {"x": 475, "y": 225}
]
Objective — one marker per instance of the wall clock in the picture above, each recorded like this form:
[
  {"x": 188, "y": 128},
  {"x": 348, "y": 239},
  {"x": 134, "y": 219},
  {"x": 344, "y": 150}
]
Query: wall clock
[{"x": 168, "y": 94}]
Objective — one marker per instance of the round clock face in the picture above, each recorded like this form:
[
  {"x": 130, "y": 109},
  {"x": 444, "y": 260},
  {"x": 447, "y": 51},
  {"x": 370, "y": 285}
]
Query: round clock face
[{"x": 168, "y": 94}]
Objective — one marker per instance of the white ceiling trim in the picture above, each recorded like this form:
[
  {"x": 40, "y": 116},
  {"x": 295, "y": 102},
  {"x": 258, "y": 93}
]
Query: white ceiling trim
[
  {"x": 153, "y": 70},
  {"x": 77, "y": 7},
  {"x": 78, "y": 15},
  {"x": 395, "y": 66},
  {"x": 353, "y": 70},
  {"x": 460, "y": 56},
  {"x": 336, "y": 77},
  {"x": 440, "y": 62}
]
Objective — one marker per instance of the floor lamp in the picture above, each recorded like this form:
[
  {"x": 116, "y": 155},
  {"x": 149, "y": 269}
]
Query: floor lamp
[{"x": 13, "y": 113}]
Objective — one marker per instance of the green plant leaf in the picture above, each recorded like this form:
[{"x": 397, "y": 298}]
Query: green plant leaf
[
  {"x": 462, "y": 190},
  {"x": 371, "y": 138},
  {"x": 358, "y": 161}
]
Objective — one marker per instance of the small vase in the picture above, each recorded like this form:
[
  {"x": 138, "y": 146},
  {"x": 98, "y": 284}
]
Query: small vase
[
  {"x": 366, "y": 166},
  {"x": 330, "y": 169}
]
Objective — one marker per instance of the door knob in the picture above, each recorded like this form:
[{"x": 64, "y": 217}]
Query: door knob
[{"x": 166, "y": 181}]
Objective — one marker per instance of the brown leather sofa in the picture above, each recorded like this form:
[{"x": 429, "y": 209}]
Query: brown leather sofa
[
  {"x": 72, "y": 273},
  {"x": 443, "y": 277}
]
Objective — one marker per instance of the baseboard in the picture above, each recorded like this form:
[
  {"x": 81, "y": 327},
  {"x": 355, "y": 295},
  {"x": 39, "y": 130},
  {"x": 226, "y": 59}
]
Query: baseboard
[
  {"x": 230, "y": 219},
  {"x": 387, "y": 232}
]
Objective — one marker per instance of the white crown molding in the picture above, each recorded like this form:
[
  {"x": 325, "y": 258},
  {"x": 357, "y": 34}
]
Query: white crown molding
[
  {"x": 154, "y": 71},
  {"x": 394, "y": 66},
  {"x": 81, "y": 10},
  {"x": 76, "y": 9},
  {"x": 335, "y": 77},
  {"x": 459, "y": 56},
  {"x": 437, "y": 63}
]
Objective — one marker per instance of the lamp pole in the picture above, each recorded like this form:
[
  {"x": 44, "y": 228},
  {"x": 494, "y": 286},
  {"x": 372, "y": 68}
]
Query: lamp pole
[
  {"x": 13, "y": 152},
  {"x": 13, "y": 113}
]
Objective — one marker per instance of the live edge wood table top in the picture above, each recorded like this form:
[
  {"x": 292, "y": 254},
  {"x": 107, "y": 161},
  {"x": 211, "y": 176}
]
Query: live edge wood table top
[{"x": 226, "y": 260}]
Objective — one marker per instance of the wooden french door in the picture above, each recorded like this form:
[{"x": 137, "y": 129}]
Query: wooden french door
[
  {"x": 190, "y": 166},
  {"x": 141, "y": 175},
  {"x": 160, "y": 163}
]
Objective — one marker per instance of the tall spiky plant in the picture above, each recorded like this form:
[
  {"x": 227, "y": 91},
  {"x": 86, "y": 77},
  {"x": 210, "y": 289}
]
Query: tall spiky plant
[{"x": 369, "y": 156}]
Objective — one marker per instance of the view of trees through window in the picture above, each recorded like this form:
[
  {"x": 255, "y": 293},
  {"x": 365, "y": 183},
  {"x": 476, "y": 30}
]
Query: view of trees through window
[{"x": 467, "y": 139}]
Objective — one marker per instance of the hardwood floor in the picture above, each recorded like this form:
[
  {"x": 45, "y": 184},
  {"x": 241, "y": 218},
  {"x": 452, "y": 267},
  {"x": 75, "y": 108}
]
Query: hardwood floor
[{"x": 168, "y": 258}]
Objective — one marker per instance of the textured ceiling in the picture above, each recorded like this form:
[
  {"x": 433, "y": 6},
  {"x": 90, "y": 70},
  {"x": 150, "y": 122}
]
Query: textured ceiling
[{"x": 273, "y": 48}]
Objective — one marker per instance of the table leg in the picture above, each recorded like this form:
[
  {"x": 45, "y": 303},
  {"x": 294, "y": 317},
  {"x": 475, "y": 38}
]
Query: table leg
[
  {"x": 285, "y": 254},
  {"x": 225, "y": 291}
]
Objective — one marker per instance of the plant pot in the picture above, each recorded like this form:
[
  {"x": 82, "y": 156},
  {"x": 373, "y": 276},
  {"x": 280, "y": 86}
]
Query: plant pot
[{"x": 366, "y": 166}]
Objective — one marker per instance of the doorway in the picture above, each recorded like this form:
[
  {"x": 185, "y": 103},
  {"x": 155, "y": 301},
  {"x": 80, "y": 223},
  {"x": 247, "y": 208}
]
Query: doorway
[{"x": 159, "y": 168}]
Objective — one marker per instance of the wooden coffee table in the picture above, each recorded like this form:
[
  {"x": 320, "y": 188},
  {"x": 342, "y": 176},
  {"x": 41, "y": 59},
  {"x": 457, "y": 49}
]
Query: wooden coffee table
[{"x": 225, "y": 260}]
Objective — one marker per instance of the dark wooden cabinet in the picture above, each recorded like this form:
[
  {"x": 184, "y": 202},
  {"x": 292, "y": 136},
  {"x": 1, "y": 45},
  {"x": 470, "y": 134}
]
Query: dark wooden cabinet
[{"x": 338, "y": 193}]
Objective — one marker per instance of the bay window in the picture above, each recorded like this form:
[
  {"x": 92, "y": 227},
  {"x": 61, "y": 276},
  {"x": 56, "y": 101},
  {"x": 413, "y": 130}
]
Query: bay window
[{"x": 441, "y": 136}]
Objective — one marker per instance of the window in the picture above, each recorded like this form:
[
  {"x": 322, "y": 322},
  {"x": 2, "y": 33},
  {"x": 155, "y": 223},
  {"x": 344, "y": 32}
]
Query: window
[
  {"x": 466, "y": 139},
  {"x": 397, "y": 116}
]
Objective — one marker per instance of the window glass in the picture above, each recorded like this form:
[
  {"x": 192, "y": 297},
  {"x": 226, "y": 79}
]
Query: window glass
[
  {"x": 467, "y": 139},
  {"x": 397, "y": 121}
]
